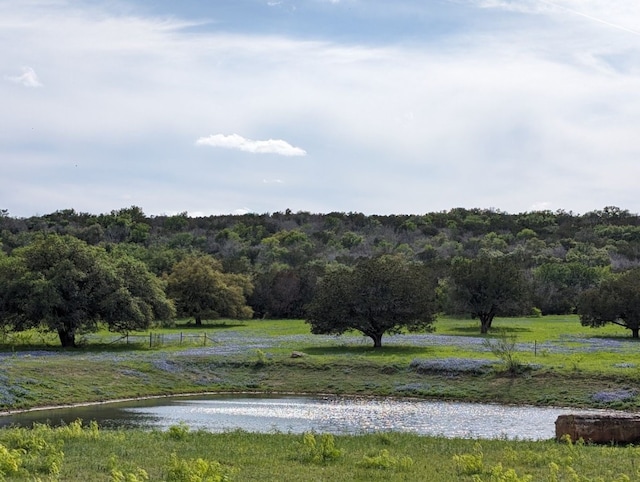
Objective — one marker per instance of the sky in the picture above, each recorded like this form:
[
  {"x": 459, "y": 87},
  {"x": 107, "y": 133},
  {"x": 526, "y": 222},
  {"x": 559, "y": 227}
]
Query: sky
[{"x": 372, "y": 106}]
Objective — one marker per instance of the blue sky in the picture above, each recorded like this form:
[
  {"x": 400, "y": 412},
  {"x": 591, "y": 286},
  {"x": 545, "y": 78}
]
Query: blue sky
[{"x": 233, "y": 106}]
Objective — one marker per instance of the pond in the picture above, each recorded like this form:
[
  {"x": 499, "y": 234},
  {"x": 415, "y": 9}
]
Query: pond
[{"x": 297, "y": 414}]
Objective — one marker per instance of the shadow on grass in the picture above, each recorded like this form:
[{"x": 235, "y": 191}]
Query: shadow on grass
[
  {"x": 369, "y": 350},
  {"x": 475, "y": 330},
  {"x": 622, "y": 337},
  {"x": 215, "y": 325},
  {"x": 81, "y": 348}
]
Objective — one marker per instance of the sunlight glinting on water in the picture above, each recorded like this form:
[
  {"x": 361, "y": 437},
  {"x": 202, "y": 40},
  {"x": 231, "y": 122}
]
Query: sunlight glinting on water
[{"x": 340, "y": 416}]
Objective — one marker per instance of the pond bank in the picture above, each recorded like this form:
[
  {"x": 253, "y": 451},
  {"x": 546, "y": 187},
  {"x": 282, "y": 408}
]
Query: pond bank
[{"x": 43, "y": 379}]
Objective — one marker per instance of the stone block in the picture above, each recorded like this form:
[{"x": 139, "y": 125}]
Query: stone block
[{"x": 600, "y": 429}]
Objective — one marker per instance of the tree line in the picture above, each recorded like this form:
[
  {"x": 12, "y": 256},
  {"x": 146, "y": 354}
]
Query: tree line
[{"x": 68, "y": 271}]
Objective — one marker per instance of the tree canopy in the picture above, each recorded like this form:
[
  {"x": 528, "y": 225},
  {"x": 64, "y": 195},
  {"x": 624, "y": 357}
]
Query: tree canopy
[
  {"x": 378, "y": 295},
  {"x": 202, "y": 290},
  {"x": 488, "y": 286},
  {"x": 66, "y": 286},
  {"x": 615, "y": 300}
]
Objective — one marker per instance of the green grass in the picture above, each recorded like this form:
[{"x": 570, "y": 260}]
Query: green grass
[
  {"x": 100, "y": 371},
  {"x": 81, "y": 454}
]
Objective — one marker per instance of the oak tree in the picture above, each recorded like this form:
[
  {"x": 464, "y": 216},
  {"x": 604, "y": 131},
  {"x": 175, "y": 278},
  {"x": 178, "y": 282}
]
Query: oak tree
[
  {"x": 202, "y": 290},
  {"x": 615, "y": 300},
  {"x": 378, "y": 295},
  {"x": 70, "y": 287},
  {"x": 488, "y": 286}
]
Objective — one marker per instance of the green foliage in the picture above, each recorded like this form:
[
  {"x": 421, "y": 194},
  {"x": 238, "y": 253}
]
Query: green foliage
[
  {"x": 318, "y": 452},
  {"x": 178, "y": 432},
  {"x": 140, "y": 475},
  {"x": 470, "y": 464},
  {"x": 201, "y": 289},
  {"x": 384, "y": 460},
  {"x": 68, "y": 287},
  {"x": 473, "y": 464},
  {"x": 196, "y": 470},
  {"x": 10, "y": 461},
  {"x": 504, "y": 347},
  {"x": 40, "y": 452},
  {"x": 497, "y": 473},
  {"x": 616, "y": 300},
  {"x": 379, "y": 295},
  {"x": 488, "y": 286},
  {"x": 261, "y": 359}
]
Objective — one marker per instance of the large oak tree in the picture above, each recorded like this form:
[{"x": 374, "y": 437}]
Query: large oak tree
[
  {"x": 379, "y": 295},
  {"x": 69, "y": 287}
]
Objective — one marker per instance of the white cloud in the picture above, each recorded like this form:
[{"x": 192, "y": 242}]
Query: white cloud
[
  {"x": 234, "y": 141},
  {"x": 28, "y": 78}
]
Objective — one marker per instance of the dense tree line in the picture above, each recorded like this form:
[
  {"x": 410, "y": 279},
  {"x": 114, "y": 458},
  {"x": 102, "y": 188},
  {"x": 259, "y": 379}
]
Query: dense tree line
[{"x": 488, "y": 263}]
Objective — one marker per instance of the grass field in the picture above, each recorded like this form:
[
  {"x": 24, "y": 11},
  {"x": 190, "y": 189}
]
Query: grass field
[
  {"x": 74, "y": 453},
  {"x": 560, "y": 363}
]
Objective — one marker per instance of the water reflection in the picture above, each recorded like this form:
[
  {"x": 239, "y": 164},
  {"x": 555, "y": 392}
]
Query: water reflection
[{"x": 337, "y": 415}]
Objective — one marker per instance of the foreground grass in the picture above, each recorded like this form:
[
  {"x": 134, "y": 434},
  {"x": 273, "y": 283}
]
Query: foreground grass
[{"x": 76, "y": 453}]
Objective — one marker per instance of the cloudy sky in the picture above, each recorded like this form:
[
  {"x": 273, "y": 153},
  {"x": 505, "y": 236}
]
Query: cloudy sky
[{"x": 373, "y": 106}]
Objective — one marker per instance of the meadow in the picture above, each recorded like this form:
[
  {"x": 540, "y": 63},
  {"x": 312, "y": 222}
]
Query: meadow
[{"x": 541, "y": 361}]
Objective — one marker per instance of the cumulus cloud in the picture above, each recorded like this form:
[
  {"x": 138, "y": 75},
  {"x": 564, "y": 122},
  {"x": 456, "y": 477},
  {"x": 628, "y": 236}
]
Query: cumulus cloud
[
  {"x": 28, "y": 78},
  {"x": 235, "y": 141}
]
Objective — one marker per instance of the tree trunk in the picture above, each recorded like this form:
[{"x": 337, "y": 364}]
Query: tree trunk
[
  {"x": 485, "y": 323},
  {"x": 634, "y": 332},
  {"x": 198, "y": 320},
  {"x": 67, "y": 337},
  {"x": 485, "y": 320},
  {"x": 377, "y": 340}
]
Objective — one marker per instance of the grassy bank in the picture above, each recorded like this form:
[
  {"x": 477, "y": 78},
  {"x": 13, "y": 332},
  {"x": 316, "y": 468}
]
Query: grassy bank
[{"x": 560, "y": 363}]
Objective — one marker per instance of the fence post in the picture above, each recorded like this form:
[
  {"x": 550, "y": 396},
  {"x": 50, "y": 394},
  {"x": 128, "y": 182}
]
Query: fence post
[
  {"x": 535, "y": 348},
  {"x": 181, "y": 338},
  {"x": 150, "y": 339},
  {"x": 204, "y": 339}
]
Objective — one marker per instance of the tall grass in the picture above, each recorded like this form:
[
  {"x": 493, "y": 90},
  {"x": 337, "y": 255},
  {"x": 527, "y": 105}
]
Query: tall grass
[{"x": 77, "y": 453}]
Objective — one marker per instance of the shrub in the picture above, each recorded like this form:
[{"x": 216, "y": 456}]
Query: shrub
[
  {"x": 196, "y": 470},
  {"x": 317, "y": 453},
  {"x": 504, "y": 347},
  {"x": 384, "y": 460},
  {"x": 10, "y": 461},
  {"x": 178, "y": 432},
  {"x": 470, "y": 464}
]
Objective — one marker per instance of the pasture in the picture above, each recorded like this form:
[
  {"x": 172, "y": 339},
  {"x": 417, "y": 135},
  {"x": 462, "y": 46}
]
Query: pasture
[{"x": 559, "y": 363}]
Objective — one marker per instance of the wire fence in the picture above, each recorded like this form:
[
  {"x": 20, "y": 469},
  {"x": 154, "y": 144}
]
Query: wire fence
[{"x": 164, "y": 339}]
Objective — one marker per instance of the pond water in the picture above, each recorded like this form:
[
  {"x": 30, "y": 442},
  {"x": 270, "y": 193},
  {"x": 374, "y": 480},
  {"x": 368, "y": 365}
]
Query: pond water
[{"x": 337, "y": 415}]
